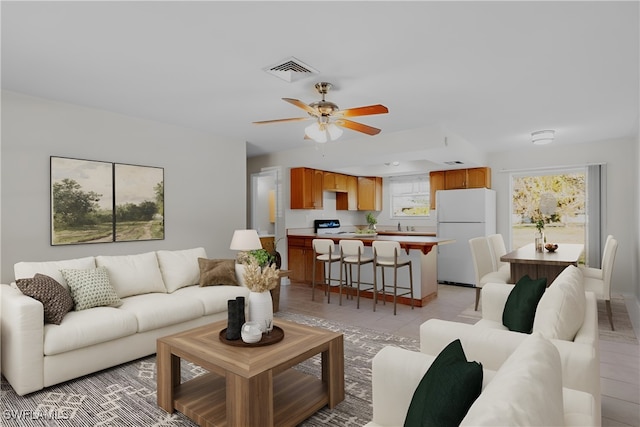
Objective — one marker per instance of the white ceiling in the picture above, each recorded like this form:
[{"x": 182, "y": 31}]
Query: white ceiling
[{"x": 490, "y": 72}]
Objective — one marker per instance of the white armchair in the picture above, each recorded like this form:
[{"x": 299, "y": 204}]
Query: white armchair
[
  {"x": 493, "y": 343},
  {"x": 524, "y": 389}
]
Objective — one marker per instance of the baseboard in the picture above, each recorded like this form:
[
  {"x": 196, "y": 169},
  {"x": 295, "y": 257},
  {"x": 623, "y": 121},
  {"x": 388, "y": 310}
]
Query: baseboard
[{"x": 633, "y": 308}]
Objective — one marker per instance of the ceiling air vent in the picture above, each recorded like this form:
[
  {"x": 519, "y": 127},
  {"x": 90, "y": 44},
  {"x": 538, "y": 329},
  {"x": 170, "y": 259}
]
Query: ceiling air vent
[
  {"x": 454, "y": 162},
  {"x": 291, "y": 69}
]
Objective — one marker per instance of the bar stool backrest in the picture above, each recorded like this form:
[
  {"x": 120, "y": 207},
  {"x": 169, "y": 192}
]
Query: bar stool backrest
[
  {"x": 323, "y": 246},
  {"x": 350, "y": 247},
  {"x": 386, "y": 249}
]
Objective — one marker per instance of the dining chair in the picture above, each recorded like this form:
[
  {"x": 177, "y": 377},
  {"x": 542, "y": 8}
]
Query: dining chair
[
  {"x": 388, "y": 255},
  {"x": 484, "y": 265},
  {"x": 601, "y": 286},
  {"x": 324, "y": 251},
  {"x": 352, "y": 253},
  {"x": 596, "y": 272},
  {"x": 499, "y": 249}
]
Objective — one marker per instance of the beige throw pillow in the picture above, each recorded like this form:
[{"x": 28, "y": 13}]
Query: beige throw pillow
[{"x": 217, "y": 272}]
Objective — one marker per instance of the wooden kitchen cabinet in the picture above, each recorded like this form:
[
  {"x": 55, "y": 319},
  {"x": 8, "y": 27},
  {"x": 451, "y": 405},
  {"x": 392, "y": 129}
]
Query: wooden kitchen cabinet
[
  {"x": 467, "y": 178},
  {"x": 335, "y": 182},
  {"x": 348, "y": 201},
  {"x": 301, "y": 262},
  {"x": 436, "y": 182},
  {"x": 306, "y": 188},
  {"x": 455, "y": 179},
  {"x": 479, "y": 177},
  {"x": 369, "y": 193}
]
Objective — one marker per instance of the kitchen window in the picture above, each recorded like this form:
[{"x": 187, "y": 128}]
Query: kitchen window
[{"x": 410, "y": 196}]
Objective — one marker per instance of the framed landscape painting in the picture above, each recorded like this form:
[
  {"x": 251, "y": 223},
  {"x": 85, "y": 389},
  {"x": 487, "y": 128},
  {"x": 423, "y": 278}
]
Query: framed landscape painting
[
  {"x": 139, "y": 202},
  {"x": 81, "y": 201}
]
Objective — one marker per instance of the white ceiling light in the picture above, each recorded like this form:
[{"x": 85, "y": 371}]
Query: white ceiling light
[
  {"x": 323, "y": 132},
  {"x": 542, "y": 137}
]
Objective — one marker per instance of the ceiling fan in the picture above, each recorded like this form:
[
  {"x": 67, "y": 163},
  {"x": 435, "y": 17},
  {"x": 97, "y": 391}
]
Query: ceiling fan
[{"x": 328, "y": 117}]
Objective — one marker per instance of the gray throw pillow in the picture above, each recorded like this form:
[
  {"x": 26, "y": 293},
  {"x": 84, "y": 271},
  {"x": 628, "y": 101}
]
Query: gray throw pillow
[{"x": 91, "y": 288}]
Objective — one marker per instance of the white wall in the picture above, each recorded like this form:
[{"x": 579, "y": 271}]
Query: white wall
[
  {"x": 205, "y": 178},
  {"x": 622, "y": 191}
]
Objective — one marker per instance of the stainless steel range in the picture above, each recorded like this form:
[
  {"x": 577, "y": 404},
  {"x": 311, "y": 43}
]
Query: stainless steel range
[{"x": 327, "y": 226}]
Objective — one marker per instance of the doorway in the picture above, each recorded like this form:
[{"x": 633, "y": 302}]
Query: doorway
[{"x": 266, "y": 204}]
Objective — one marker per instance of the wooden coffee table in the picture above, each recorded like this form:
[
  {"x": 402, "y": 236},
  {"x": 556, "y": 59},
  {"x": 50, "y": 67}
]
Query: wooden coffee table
[{"x": 250, "y": 386}]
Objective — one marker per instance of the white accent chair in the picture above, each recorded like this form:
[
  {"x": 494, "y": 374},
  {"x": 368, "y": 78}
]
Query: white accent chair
[
  {"x": 598, "y": 280},
  {"x": 523, "y": 389},
  {"x": 324, "y": 251},
  {"x": 352, "y": 253},
  {"x": 566, "y": 314},
  {"x": 388, "y": 255},
  {"x": 484, "y": 265}
]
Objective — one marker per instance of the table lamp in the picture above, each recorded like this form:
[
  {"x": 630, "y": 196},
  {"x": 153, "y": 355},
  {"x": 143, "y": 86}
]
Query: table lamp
[{"x": 245, "y": 240}]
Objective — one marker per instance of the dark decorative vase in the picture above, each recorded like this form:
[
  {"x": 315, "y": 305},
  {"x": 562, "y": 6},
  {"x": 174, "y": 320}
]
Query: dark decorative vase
[
  {"x": 233, "y": 321},
  {"x": 241, "y": 317},
  {"x": 277, "y": 259}
]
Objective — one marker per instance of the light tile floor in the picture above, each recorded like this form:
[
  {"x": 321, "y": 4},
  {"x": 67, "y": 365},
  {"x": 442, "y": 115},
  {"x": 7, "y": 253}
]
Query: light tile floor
[{"x": 620, "y": 363}]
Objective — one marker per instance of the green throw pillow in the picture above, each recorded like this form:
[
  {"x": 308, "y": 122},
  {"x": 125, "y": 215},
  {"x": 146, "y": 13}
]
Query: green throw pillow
[
  {"x": 447, "y": 390},
  {"x": 520, "y": 308},
  {"x": 91, "y": 288}
]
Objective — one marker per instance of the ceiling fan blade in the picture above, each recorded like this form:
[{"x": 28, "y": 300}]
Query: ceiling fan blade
[
  {"x": 362, "y": 111},
  {"x": 357, "y": 126},
  {"x": 293, "y": 119},
  {"x": 302, "y": 105}
]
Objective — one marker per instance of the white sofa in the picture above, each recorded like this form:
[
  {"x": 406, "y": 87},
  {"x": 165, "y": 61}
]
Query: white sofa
[
  {"x": 160, "y": 296},
  {"x": 525, "y": 390},
  {"x": 570, "y": 322}
]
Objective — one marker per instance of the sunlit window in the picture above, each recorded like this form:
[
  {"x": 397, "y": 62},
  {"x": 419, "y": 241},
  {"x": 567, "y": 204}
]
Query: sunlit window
[{"x": 409, "y": 196}]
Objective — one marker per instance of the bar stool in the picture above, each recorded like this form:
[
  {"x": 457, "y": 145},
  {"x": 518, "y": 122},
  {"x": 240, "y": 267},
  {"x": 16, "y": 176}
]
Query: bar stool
[
  {"x": 385, "y": 254},
  {"x": 352, "y": 253},
  {"x": 324, "y": 252}
]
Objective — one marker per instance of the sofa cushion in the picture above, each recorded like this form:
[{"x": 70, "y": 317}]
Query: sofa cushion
[
  {"x": 25, "y": 270},
  {"x": 213, "y": 298},
  {"x": 561, "y": 309},
  {"x": 55, "y": 298},
  {"x": 217, "y": 272},
  {"x": 526, "y": 390},
  {"x": 447, "y": 389},
  {"x": 133, "y": 274},
  {"x": 91, "y": 288},
  {"x": 88, "y": 327},
  {"x": 180, "y": 268},
  {"x": 520, "y": 308},
  {"x": 156, "y": 310}
]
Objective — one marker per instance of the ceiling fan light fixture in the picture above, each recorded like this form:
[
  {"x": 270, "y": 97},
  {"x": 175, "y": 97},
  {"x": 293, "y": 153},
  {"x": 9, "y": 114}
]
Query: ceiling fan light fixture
[
  {"x": 542, "y": 137},
  {"x": 323, "y": 132},
  {"x": 315, "y": 132}
]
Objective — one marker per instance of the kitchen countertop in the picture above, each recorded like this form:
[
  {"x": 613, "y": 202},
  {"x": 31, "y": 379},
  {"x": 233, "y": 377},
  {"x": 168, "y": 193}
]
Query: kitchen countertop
[
  {"x": 407, "y": 233},
  {"x": 416, "y": 240}
]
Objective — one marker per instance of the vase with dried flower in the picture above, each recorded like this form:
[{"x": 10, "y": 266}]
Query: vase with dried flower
[
  {"x": 260, "y": 280},
  {"x": 539, "y": 237}
]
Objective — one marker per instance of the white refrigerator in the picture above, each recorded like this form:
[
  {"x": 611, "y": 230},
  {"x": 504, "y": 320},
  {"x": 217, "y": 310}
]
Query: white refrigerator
[{"x": 462, "y": 215}]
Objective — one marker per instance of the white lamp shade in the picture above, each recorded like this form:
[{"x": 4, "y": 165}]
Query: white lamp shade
[
  {"x": 314, "y": 132},
  {"x": 245, "y": 240},
  {"x": 323, "y": 132}
]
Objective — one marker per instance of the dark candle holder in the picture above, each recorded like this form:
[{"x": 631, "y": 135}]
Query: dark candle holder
[{"x": 233, "y": 320}]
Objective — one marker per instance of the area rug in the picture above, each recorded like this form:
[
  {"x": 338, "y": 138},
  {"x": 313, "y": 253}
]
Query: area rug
[
  {"x": 624, "y": 332},
  {"x": 126, "y": 395}
]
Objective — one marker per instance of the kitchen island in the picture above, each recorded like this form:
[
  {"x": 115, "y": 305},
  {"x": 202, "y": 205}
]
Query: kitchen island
[{"x": 419, "y": 249}]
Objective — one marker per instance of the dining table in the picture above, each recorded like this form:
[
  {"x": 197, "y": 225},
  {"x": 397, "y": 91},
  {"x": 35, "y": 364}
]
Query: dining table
[{"x": 527, "y": 261}]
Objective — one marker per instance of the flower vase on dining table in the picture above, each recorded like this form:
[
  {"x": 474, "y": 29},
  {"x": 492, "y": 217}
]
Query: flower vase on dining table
[{"x": 539, "y": 241}]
